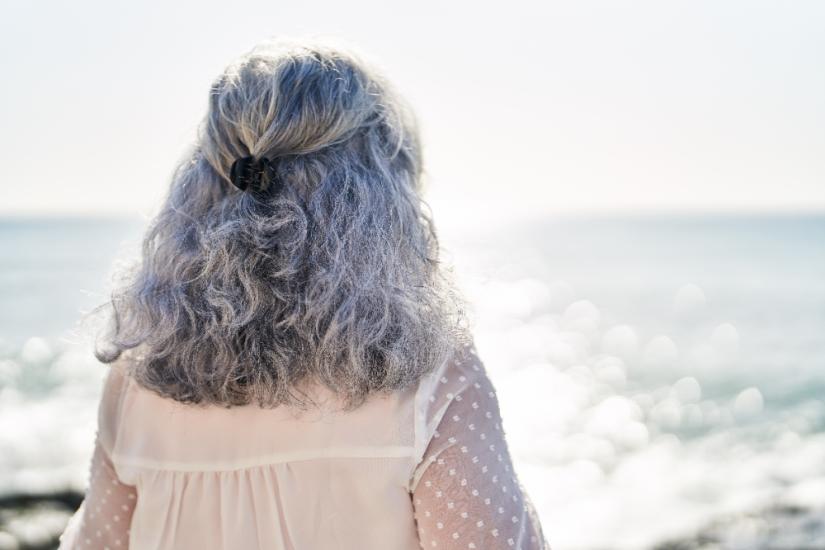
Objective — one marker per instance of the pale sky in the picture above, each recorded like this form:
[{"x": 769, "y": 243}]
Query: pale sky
[{"x": 573, "y": 106}]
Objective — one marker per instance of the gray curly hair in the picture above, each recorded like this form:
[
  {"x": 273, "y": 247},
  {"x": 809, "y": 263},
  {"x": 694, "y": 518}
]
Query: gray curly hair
[{"x": 239, "y": 298}]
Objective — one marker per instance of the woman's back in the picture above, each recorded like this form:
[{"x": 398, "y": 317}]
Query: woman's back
[
  {"x": 294, "y": 267},
  {"x": 427, "y": 466}
]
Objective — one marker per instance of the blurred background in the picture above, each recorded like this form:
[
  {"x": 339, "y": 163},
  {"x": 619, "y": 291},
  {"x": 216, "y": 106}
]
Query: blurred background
[{"x": 632, "y": 194}]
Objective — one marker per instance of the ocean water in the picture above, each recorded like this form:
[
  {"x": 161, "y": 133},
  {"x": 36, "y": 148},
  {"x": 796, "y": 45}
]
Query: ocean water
[{"x": 660, "y": 378}]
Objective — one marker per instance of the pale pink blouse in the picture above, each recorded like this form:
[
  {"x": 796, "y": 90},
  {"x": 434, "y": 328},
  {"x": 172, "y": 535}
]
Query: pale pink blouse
[{"x": 428, "y": 467}]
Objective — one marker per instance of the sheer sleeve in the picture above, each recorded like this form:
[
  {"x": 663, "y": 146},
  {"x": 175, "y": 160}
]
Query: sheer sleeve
[
  {"x": 465, "y": 491},
  {"x": 104, "y": 517}
]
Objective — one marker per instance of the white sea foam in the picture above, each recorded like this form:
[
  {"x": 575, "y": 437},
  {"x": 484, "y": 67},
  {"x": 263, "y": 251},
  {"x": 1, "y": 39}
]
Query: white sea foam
[
  {"x": 687, "y": 390},
  {"x": 602, "y": 451},
  {"x": 748, "y": 403},
  {"x": 621, "y": 341},
  {"x": 660, "y": 352}
]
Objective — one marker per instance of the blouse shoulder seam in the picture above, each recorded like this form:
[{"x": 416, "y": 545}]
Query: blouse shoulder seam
[{"x": 398, "y": 451}]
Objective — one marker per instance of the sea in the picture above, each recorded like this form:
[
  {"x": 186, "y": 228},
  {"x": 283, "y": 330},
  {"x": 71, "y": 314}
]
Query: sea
[{"x": 661, "y": 378}]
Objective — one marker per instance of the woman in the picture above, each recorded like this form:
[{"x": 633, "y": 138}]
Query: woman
[{"x": 290, "y": 363}]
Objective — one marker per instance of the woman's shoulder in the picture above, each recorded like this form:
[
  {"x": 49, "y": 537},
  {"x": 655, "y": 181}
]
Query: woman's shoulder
[
  {"x": 115, "y": 385},
  {"x": 463, "y": 377},
  {"x": 463, "y": 370}
]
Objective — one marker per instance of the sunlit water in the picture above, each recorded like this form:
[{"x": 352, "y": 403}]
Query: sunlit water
[{"x": 654, "y": 374}]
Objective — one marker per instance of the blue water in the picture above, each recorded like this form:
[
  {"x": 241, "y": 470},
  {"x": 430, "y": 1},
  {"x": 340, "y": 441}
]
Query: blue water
[
  {"x": 51, "y": 269},
  {"x": 667, "y": 366},
  {"x": 766, "y": 274}
]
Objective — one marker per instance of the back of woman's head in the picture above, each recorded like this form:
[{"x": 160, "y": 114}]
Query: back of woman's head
[{"x": 240, "y": 297}]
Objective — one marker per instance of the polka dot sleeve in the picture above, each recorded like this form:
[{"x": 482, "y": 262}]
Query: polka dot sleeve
[
  {"x": 465, "y": 491},
  {"x": 104, "y": 517}
]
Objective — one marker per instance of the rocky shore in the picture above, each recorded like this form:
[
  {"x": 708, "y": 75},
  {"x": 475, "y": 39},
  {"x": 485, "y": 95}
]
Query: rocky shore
[
  {"x": 775, "y": 528},
  {"x": 35, "y": 521}
]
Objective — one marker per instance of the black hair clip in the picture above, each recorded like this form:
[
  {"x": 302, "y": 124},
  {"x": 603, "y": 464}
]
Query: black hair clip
[{"x": 249, "y": 173}]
